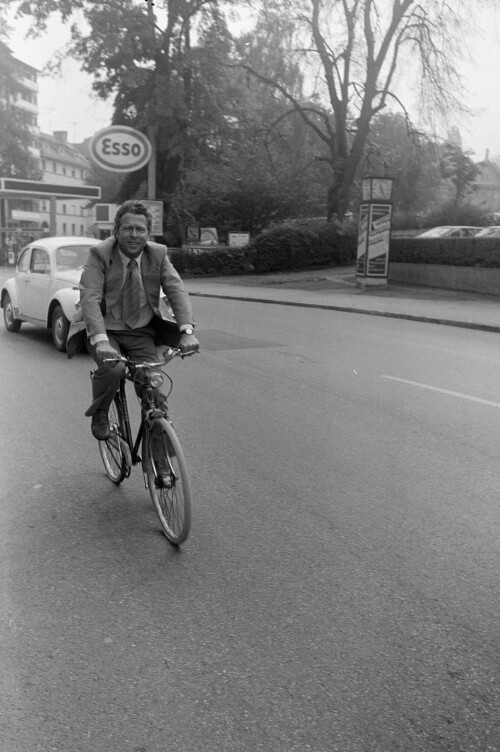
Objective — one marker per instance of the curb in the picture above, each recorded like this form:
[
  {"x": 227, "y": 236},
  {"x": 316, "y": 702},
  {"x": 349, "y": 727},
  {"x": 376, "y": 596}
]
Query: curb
[{"x": 350, "y": 309}]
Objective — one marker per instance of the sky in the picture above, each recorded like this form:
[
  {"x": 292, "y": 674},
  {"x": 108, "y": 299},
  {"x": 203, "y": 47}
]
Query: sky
[{"x": 67, "y": 103}]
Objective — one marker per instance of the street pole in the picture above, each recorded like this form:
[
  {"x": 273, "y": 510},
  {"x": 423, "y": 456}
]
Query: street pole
[
  {"x": 152, "y": 130},
  {"x": 3, "y": 225}
]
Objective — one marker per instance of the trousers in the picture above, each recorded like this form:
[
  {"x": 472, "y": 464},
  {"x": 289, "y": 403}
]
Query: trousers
[{"x": 136, "y": 344}]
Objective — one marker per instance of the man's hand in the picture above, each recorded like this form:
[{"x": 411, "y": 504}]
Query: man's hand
[
  {"x": 103, "y": 350},
  {"x": 188, "y": 344}
]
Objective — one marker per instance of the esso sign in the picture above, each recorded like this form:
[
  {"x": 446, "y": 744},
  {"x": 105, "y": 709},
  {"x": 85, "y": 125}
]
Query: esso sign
[{"x": 120, "y": 149}]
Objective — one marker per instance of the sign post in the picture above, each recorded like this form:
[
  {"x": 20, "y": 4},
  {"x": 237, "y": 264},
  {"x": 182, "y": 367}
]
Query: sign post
[
  {"x": 152, "y": 131},
  {"x": 374, "y": 232}
]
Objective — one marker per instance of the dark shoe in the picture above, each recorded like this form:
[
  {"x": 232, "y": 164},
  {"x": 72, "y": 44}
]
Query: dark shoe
[{"x": 100, "y": 425}]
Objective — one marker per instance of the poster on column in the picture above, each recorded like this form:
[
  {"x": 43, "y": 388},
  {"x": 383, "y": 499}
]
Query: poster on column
[
  {"x": 378, "y": 240},
  {"x": 364, "y": 210}
]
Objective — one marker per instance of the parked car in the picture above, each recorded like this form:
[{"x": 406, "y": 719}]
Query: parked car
[
  {"x": 489, "y": 232},
  {"x": 450, "y": 231},
  {"x": 44, "y": 289}
]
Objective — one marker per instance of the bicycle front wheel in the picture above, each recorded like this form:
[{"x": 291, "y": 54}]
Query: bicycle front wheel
[
  {"x": 173, "y": 500},
  {"x": 115, "y": 451}
]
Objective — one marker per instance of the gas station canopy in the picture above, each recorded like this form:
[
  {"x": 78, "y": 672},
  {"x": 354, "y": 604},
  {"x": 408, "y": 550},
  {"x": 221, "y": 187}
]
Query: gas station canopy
[{"x": 14, "y": 188}]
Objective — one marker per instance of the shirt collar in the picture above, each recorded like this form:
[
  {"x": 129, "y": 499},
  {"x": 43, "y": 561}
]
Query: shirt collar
[{"x": 125, "y": 259}]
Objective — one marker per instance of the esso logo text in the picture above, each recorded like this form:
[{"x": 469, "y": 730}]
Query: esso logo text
[{"x": 120, "y": 149}]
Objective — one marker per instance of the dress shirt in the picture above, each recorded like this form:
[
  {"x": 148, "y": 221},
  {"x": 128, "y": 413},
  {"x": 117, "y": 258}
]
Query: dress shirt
[{"x": 146, "y": 312}]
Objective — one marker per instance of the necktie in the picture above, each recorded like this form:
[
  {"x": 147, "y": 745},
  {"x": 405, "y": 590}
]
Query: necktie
[{"x": 131, "y": 300}]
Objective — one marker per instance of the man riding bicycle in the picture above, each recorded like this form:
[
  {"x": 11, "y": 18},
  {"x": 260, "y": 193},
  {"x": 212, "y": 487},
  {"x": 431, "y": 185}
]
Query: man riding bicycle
[{"x": 121, "y": 308}]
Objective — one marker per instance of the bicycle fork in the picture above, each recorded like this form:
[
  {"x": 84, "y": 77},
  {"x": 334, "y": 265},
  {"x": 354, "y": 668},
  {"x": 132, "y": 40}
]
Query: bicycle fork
[{"x": 157, "y": 439}]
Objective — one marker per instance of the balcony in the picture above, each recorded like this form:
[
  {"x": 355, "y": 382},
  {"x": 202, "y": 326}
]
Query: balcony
[
  {"x": 22, "y": 104},
  {"x": 26, "y": 83}
]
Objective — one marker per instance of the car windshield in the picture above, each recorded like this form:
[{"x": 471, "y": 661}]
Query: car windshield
[
  {"x": 71, "y": 256},
  {"x": 490, "y": 232},
  {"x": 436, "y": 232}
]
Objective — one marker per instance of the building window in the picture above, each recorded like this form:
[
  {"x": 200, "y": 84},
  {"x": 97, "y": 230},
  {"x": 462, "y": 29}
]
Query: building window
[
  {"x": 64, "y": 170},
  {"x": 64, "y": 228},
  {"x": 73, "y": 173},
  {"x": 54, "y": 166},
  {"x": 64, "y": 208},
  {"x": 73, "y": 229},
  {"x": 81, "y": 229}
]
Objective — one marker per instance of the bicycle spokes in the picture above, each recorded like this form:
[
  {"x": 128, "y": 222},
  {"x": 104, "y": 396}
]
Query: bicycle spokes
[{"x": 172, "y": 499}]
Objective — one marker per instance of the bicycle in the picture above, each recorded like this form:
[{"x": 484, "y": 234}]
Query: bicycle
[{"x": 119, "y": 453}]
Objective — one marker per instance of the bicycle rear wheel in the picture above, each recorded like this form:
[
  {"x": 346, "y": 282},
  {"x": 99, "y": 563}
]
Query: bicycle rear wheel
[
  {"x": 115, "y": 453},
  {"x": 172, "y": 504}
]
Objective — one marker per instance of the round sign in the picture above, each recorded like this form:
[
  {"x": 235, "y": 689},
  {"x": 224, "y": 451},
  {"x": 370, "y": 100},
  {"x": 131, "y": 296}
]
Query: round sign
[{"x": 120, "y": 149}]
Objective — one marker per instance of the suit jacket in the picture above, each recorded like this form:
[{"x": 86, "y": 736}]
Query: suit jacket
[{"x": 100, "y": 289}]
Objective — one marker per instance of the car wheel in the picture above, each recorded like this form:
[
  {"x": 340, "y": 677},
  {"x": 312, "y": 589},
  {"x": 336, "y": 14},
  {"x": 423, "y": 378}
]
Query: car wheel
[
  {"x": 11, "y": 323},
  {"x": 60, "y": 327}
]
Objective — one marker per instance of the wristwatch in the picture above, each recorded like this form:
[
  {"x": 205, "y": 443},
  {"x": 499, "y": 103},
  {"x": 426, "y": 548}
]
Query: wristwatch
[{"x": 188, "y": 330}]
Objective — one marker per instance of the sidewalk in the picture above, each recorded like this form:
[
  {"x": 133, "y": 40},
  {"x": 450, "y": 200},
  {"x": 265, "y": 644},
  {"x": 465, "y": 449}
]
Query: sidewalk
[{"x": 335, "y": 289}]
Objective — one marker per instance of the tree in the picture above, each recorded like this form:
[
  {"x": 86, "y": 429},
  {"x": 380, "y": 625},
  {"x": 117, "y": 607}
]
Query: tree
[
  {"x": 257, "y": 164},
  {"x": 352, "y": 52},
  {"x": 141, "y": 54},
  {"x": 396, "y": 148},
  {"x": 459, "y": 168},
  {"x": 15, "y": 157}
]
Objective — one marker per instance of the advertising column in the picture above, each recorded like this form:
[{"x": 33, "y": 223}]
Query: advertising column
[{"x": 374, "y": 233}]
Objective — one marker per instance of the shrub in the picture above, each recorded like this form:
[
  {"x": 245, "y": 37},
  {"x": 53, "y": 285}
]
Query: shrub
[
  {"x": 300, "y": 244},
  {"x": 289, "y": 245},
  {"x": 221, "y": 261}
]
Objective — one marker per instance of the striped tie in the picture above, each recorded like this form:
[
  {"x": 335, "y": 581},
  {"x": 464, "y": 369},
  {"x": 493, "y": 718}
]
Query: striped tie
[{"x": 131, "y": 295}]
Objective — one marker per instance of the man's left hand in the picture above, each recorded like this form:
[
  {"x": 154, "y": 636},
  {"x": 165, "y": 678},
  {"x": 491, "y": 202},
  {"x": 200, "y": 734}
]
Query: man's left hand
[{"x": 188, "y": 344}]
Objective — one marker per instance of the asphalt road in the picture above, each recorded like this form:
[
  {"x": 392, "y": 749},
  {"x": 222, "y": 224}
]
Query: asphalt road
[{"x": 339, "y": 590}]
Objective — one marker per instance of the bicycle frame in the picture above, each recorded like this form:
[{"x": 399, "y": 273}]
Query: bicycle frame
[
  {"x": 126, "y": 429},
  {"x": 147, "y": 408}
]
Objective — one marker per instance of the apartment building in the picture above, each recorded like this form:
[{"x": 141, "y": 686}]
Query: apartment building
[
  {"x": 63, "y": 163},
  {"x": 18, "y": 94},
  {"x": 19, "y": 91},
  {"x": 56, "y": 204}
]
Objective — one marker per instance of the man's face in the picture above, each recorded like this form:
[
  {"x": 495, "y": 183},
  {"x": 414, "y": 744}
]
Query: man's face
[{"x": 132, "y": 234}]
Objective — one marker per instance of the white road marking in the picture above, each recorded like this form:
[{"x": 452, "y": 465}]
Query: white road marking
[{"x": 443, "y": 391}]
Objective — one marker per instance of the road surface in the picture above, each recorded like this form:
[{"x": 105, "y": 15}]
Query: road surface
[{"x": 339, "y": 590}]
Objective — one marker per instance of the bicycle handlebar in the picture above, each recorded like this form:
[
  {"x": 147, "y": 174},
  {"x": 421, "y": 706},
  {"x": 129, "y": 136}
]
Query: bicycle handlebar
[{"x": 168, "y": 355}]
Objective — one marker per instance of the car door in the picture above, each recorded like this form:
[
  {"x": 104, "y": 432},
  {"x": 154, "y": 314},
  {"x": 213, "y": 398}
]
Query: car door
[
  {"x": 39, "y": 286},
  {"x": 23, "y": 279}
]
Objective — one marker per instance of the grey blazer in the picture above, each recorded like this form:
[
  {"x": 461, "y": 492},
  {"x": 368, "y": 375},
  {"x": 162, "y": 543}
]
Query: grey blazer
[{"x": 101, "y": 284}]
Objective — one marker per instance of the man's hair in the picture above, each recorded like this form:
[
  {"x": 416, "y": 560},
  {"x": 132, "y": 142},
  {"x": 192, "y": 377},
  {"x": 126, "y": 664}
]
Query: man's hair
[{"x": 132, "y": 207}]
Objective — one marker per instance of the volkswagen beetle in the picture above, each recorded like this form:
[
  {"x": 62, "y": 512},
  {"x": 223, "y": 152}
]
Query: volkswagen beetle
[{"x": 44, "y": 289}]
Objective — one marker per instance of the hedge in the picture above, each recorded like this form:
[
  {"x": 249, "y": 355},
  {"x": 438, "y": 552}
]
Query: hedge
[
  {"x": 481, "y": 252},
  {"x": 290, "y": 245}
]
